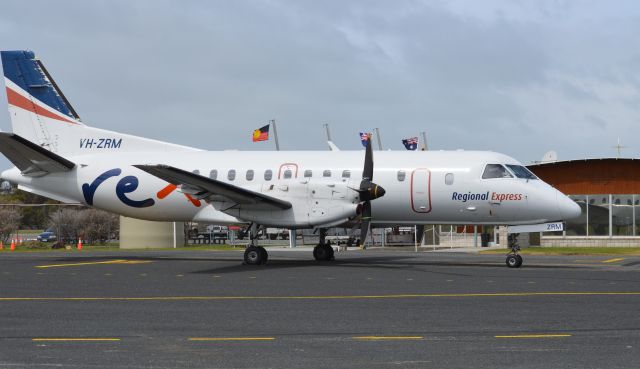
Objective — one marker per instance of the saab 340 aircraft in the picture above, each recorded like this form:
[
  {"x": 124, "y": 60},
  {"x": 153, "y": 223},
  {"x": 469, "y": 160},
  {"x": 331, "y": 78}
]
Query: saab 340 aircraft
[{"x": 57, "y": 156}]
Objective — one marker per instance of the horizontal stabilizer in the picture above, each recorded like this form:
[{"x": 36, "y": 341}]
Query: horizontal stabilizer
[
  {"x": 31, "y": 159},
  {"x": 204, "y": 187}
]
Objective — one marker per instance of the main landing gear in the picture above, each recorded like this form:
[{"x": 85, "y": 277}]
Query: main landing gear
[
  {"x": 323, "y": 251},
  {"x": 514, "y": 260},
  {"x": 255, "y": 255}
]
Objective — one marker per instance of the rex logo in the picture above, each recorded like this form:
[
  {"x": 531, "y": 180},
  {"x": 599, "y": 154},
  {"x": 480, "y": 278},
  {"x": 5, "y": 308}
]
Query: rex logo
[{"x": 126, "y": 185}]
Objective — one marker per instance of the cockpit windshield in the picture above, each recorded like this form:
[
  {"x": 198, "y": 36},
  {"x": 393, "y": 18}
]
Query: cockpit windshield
[
  {"x": 495, "y": 171},
  {"x": 521, "y": 172}
]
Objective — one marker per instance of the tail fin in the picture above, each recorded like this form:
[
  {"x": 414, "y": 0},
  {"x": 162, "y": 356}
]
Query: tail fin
[{"x": 42, "y": 114}]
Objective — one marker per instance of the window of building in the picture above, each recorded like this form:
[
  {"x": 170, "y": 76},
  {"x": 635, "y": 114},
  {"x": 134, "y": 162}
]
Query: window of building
[
  {"x": 250, "y": 175},
  {"x": 326, "y": 173},
  {"x": 346, "y": 174},
  {"x": 448, "y": 178},
  {"x": 213, "y": 174},
  {"x": 268, "y": 174},
  {"x": 401, "y": 175},
  {"x": 495, "y": 171},
  {"x": 308, "y": 173},
  {"x": 231, "y": 175},
  {"x": 287, "y": 174}
]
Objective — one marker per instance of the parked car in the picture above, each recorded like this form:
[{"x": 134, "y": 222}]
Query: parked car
[{"x": 47, "y": 236}]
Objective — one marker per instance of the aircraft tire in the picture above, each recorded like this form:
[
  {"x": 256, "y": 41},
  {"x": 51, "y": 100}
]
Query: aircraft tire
[
  {"x": 323, "y": 252},
  {"x": 513, "y": 261},
  {"x": 265, "y": 254},
  {"x": 253, "y": 256}
]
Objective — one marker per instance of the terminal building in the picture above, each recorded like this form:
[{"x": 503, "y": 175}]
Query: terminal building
[{"x": 607, "y": 190}]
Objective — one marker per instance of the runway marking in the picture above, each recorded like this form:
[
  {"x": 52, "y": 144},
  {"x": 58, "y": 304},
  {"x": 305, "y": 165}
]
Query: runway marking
[
  {"x": 612, "y": 260},
  {"x": 329, "y": 297},
  {"x": 118, "y": 261},
  {"x": 536, "y": 336},
  {"x": 383, "y": 338},
  {"x": 231, "y": 338},
  {"x": 62, "y": 339}
]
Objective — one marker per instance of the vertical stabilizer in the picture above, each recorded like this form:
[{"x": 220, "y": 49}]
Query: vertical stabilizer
[{"x": 41, "y": 113}]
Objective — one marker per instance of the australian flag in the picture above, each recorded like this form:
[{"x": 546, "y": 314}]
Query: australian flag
[
  {"x": 365, "y": 138},
  {"x": 410, "y": 143}
]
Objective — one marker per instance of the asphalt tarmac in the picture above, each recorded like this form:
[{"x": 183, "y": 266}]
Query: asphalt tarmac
[{"x": 371, "y": 309}]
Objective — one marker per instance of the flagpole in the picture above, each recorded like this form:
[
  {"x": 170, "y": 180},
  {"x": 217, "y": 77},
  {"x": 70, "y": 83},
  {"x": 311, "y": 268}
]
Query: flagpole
[
  {"x": 424, "y": 140},
  {"x": 326, "y": 130},
  {"x": 275, "y": 134},
  {"x": 379, "y": 139}
]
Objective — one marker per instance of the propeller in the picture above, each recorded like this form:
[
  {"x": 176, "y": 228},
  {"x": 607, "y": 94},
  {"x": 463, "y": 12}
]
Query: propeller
[{"x": 368, "y": 191}]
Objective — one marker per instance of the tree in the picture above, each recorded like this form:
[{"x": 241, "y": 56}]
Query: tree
[
  {"x": 10, "y": 217},
  {"x": 66, "y": 223},
  {"x": 98, "y": 226}
]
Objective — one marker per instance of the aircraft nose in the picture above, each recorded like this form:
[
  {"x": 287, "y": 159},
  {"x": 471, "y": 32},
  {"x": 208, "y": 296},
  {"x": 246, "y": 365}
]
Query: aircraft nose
[{"x": 567, "y": 208}]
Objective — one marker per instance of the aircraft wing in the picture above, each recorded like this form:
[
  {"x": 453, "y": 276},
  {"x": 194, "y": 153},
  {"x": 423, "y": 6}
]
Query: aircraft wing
[
  {"x": 31, "y": 159},
  {"x": 205, "y": 187}
]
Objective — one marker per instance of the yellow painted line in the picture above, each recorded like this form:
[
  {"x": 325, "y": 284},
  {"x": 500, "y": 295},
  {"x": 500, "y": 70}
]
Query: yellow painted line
[
  {"x": 75, "y": 339},
  {"x": 231, "y": 338},
  {"x": 535, "y": 336},
  {"x": 612, "y": 260},
  {"x": 380, "y": 338},
  {"x": 345, "y": 297},
  {"x": 95, "y": 263}
]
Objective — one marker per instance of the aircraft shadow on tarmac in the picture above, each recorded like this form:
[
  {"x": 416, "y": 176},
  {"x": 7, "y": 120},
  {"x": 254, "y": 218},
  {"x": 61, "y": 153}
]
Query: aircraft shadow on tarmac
[{"x": 407, "y": 263}]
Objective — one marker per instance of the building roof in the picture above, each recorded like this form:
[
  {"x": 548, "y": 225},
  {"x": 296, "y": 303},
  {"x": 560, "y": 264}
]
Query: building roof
[{"x": 591, "y": 176}]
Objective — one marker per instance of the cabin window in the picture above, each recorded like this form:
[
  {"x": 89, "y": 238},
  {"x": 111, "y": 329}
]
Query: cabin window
[
  {"x": 213, "y": 174},
  {"x": 308, "y": 173},
  {"x": 195, "y": 171},
  {"x": 287, "y": 174},
  {"x": 346, "y": 174},
  {"x": 495, "y": 171},
  {"x": 268, "y": 174},
  {"x": 448, "y": 178},
  {"x": 401, "y": 175},
  {"x": 249, "y": 175},
  {"x": 231, "y": 175},
  {"x": 326, "y": 173},
  {"x": 521, "y": 172}
]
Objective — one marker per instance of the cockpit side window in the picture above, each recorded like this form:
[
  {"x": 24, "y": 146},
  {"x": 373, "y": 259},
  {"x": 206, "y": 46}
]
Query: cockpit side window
[
  {"x": 495, "y": 171},
  {"x": 521, "y": 172}
]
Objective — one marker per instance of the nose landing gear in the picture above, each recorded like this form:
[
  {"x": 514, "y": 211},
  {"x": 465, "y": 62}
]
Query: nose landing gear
[{"x": 514, "y": 260}]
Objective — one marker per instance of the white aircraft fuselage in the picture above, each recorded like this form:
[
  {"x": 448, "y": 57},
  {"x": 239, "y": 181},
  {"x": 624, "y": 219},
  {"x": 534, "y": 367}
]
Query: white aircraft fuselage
[{"x": 424, "y": 187}]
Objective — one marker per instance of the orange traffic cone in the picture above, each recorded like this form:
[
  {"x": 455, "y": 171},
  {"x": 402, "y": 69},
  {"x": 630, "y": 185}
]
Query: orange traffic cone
[
  {"x": 1, "y": 245},
  {"x": 13, "y": 244},
  {"x": 79, "y": 243}
]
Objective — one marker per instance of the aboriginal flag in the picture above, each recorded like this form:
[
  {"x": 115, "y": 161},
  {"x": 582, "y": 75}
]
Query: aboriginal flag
[{"x": 261, "y": 134}]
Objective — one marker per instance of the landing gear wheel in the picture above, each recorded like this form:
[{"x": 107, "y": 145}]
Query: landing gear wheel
[
  {"x": 514, "y": 261},
  {"x": 323, "y": 252},
  {"x": 253, "y": 255},
  {"x": 265, "y": 254}
]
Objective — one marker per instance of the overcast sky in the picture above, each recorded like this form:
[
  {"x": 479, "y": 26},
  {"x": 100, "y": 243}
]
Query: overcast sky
[{"x": 517, "y": 77}]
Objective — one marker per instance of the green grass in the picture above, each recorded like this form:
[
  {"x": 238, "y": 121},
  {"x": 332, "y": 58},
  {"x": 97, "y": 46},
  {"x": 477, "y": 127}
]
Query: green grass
[
  {"x": 46, "y": 247},
  {"x": 631, "y": 251}
]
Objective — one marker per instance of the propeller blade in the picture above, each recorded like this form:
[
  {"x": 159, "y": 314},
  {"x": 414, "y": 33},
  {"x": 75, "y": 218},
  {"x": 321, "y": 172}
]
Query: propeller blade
[
  {"x": 365, "y": 221},
  {"x": 367, "y": 173}
]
